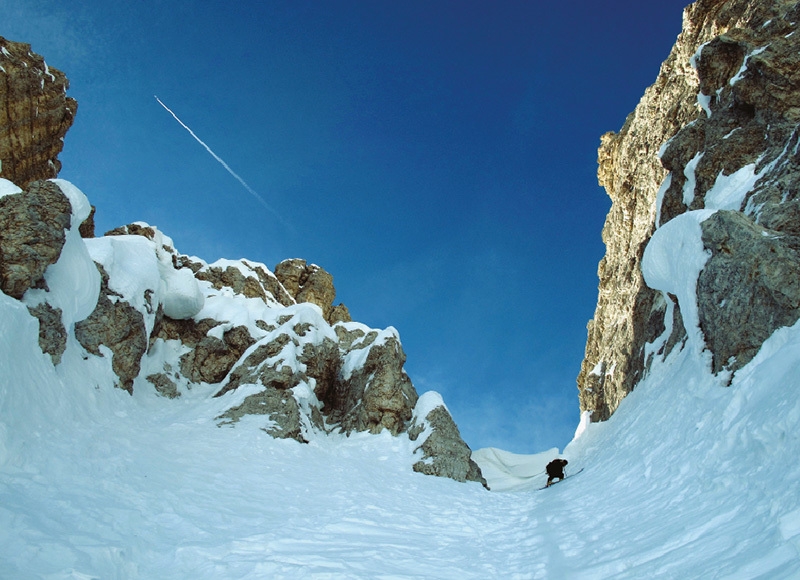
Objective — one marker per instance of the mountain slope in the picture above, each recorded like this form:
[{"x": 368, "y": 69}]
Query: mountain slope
[
  {"x": 269, "y": 348},
  {"x": 117, "y": 460},
  {"x": 687, "y": 479}
]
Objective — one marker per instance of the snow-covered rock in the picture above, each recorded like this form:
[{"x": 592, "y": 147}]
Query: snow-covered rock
[
  {"x": 130, "y": 305},
  {"x": 439, "y": 444}
]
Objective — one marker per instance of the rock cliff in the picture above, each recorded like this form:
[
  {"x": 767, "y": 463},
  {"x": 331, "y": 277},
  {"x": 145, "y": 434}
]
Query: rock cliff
[
  {"x": 35, "y": 114},
  {"x": 714, "y": 139},
  {"x": 263, "y": 348}
]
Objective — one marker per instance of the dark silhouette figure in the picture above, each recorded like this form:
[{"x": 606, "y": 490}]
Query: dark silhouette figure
[{"x": 555, "y": 470}]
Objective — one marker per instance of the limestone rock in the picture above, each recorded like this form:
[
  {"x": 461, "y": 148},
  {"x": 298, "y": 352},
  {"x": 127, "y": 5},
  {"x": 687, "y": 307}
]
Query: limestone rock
[
  {"x": 293, "y": 274},
  {"x": 339, "y": 313},
  {"x": 211, "y": 358},
  {"x": 348, "y": 337},
  {"x": 725, "y": 102},
  {"x": 52, "y": 334},
  {"x": 189, "y": 332},
  {"x": 256, "y": 368},
  {"x": 257, "y": 283},
  {"x": 749, "y": 288},
  {"x": 279, "y": 405},
  {"x": 118, "y": 326},
  {"x": 444, "y": 452},
  {"x": 747, "y": 141},
  {"x": 371, "y": 394},
  {"x": 283, "y": 360},
  {"x": 134, "y": 229},
  {"x": 164, "y": 385},
  {"x": 323, "y": 362},
  {"x": 87, "y": 227},
  {"x": 374, "y": 395},
  {"x": 32, "y": 233},
  {"x": 35, "y": 114},
  {"x": 310, "y": 283},
  {"x": 629, "y": 169},
  {"x": 378, "y": 394}
]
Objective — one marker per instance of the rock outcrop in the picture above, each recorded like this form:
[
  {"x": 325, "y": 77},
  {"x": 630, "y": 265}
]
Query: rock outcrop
[
  {"x": 168, "y": 322},
  {"x": 52, "y": 334},
  {"x": 263, "y": 348},
  {"x": 32, "y": 226},
  {"x": 717, "y": 131},
  {"x": 284, "y": 420},
  {"x": 443, "y": 451},
  {"x": 35, "y": 114},
  {"x": 375, "y": 393},
  {"x": 255, "y": 282},
  {"x": 749, "y": 287},
  {"x": 209, "y": 359},
  {"x": 118, "y": 326},
  {"x": 310, "y": 283}
]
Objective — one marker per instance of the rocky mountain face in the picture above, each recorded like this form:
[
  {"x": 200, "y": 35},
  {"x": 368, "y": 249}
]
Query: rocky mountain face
[
  {"x": 716, "y": 133},
  {"x": 35, "y": 114},
  {"x": 264, "y": 348}
]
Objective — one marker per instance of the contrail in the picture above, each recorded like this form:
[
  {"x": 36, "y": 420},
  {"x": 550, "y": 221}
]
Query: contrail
[{"x": 249, "y": 189}]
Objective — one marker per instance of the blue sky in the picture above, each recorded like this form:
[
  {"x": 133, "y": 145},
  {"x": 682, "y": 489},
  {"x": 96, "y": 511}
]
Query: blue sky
[{"x": 438, "y": 158}]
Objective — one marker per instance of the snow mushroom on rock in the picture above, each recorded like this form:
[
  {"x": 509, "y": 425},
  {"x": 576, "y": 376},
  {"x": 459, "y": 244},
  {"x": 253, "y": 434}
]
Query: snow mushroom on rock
[{"x": 36, "y": 229}]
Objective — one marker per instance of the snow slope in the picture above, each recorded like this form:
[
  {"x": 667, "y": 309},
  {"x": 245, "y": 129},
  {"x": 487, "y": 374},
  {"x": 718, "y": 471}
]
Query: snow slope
[{"x": 688, "y": 479}]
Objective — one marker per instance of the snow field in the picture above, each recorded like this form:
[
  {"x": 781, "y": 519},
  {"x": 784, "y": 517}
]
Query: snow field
[{"x": 688, "y": 479}]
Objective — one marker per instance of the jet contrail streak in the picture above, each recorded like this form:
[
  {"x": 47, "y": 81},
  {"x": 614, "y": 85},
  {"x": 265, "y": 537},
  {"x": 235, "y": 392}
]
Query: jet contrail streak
[{"x": 250, "y": 190}]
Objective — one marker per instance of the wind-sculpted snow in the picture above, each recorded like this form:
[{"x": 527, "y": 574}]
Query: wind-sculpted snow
[{"x": 672, "y": 262}]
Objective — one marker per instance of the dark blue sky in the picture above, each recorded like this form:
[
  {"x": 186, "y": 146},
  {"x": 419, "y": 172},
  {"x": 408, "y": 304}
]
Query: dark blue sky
[{"x": 438, "y": 158}]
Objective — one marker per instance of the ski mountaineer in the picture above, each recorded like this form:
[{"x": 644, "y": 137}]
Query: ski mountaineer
[{"x": 555, "y": 470}]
